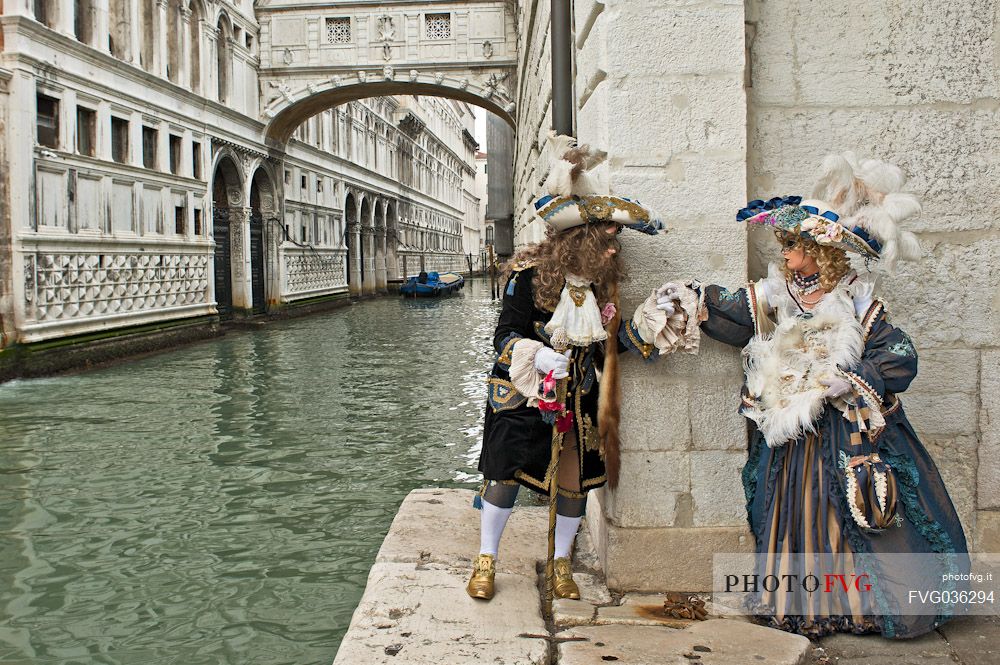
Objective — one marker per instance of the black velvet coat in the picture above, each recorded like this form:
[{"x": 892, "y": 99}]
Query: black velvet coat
[{"x": 516, "y": 441}]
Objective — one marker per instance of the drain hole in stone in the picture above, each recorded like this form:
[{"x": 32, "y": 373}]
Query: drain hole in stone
[
  {"x": 598, "y": 644},
  {"x": 699, "y": 647},
  {"x": 393, "y": 649},
  {"x": 609, "y": 657}
]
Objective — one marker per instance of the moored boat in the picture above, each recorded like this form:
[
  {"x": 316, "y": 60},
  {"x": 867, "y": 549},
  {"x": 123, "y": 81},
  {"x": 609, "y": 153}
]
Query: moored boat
[{"x": 430, "y": 284}]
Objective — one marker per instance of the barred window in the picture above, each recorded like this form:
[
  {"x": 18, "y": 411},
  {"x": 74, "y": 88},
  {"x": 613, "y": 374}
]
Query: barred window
[
  {"x": 438, "y": 26},
  {"x": 338, "y": 30}
]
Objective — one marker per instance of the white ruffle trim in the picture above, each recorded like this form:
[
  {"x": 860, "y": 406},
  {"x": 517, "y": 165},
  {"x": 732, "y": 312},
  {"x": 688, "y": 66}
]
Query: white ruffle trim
[
  {"x": 582, "y": 322},
  {"x": 523, "y": 374}
]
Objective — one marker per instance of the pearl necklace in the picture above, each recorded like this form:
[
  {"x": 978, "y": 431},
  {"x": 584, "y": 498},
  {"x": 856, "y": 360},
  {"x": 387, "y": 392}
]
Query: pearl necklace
[{"x": 806, "y": 285}]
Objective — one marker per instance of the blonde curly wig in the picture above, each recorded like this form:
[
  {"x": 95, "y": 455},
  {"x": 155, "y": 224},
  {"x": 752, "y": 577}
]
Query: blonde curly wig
[
  {"x": 580, "y": 251},
  {"x": 832, "y": 261}
]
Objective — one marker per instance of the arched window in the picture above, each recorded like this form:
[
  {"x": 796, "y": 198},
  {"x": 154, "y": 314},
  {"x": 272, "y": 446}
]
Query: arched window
[
  {"x": 119, "y": 28},
  {"x": 195, "y": 41},
  {"x": 224, "y": 59},
  {"x": 175, "y": 38},
  {"x": 147, "y": 18},
  {"x": 83, "y": 22}
]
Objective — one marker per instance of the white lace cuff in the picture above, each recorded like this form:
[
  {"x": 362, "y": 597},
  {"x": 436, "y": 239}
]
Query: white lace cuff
[
  {"x": 523, "y": 374},
  {"x": 668, "y": 334}
]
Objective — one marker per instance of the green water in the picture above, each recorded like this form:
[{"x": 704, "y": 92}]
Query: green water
[{"x": 223, "y": 502}]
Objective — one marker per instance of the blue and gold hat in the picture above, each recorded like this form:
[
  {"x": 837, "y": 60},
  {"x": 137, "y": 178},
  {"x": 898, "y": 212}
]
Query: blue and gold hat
[
  {"x": 789, "y": 214},
  {"x": 566, "y": 212}
]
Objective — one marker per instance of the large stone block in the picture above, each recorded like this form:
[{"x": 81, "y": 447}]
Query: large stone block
[
  {"x": 647, "y": 494},
  {"x": 713, "y": 253},
  {"x": 989, "y": 427},
  {"x": 946, "y": 371},
  {"x": 677, "y": 559},
  {"x": 941, "y": 414},
  {"x": 688, "y": 190},
  {"x": 661, "y": 118},
  {"x": 716, "y": 423},
  {"x": 949, "y": 155},
  {"x": 717, "y": 488},
  {"x": 654, "y": 413},
  {"x": 697, "y": 40},
  {"x": 957, "y": 462},
  {"x": 987, "y": 531},
  {"x": 422, "y": 615},
  {"x": 713, "y": 642}
]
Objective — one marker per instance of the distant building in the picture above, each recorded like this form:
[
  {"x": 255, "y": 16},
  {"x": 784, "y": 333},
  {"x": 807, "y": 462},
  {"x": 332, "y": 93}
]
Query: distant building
[
  {"x": 500, "y": 197},
  {"x": 137, "y": 186}
]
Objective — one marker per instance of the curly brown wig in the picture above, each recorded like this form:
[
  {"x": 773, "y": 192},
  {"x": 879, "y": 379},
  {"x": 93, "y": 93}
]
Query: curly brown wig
[
  {"x": 580, "y": 251},
  {"x": 832, "y": 261}
]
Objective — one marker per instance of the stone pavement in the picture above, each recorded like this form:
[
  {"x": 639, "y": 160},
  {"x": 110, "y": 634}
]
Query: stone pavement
[{"x": 415, "y": 610}]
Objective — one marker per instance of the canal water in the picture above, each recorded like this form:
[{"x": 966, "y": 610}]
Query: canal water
[{"x": 223, "y": 502}]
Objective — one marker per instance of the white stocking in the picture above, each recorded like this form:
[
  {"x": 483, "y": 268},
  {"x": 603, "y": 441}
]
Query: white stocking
[
  {"x": 566, "y": 528},
  {"x": 491, "y": 527}
]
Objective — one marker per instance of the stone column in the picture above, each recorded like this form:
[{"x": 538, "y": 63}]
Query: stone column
[
  {"x": 160, "y": 46},
  {"x": 354, "y": 279},
  {"x": 209, "y": 73},
  {"x": 184, "y": 80},
  {"x": 381, "y": 283},
  {"x": 65, "y": 18},
  {"x": 368, "y": 281},
  {"x": 239, "y": 247},
  {"x": 273, "y": 269},
  {"x": 135, "y": 33},
  {"x": 102, "y": 25}
]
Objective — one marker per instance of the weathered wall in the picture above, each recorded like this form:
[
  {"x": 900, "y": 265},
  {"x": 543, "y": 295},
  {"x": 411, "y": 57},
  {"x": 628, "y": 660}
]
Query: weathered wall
[
  {"x": 662, "y": 85},
  {"x": 918, "y": 84}
]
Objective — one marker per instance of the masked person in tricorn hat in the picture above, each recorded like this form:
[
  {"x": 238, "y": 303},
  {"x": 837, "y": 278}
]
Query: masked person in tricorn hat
[
  {"x": 838, "y": 486},
  {"x": 560, "y": 313}
]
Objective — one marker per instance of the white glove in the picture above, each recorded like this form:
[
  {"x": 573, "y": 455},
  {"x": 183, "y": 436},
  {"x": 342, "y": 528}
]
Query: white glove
[
  {"x": 835, "y": 386},
  {"x": 548, "y": 360},
  {"x": 666, "y": 295}
]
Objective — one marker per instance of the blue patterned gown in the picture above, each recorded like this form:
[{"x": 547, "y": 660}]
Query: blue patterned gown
[{"x": 796, "y": 500}]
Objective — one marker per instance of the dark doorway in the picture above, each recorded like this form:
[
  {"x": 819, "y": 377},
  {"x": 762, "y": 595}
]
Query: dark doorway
[
  {"x": 257, "y": 262},
  {"x": 350, "y": 219},
  {"x": 224, "y": 181}
]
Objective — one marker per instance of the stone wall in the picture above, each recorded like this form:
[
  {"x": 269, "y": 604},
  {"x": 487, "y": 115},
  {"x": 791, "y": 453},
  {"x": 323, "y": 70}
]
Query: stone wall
[
  {"x": 699, "y": 101},
  {"x": 917, "y": 84}
]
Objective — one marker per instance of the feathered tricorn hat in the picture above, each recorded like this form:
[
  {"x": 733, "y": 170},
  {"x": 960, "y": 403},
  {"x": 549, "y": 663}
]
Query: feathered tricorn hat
[
  {"x": 570, "y": 197},
  {"x": 857, "y": 206}
]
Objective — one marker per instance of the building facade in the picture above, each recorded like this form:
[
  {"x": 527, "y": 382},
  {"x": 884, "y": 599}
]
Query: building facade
[
  {"x": 138, "y": 185},
  {"x": 731, "y": 99}
]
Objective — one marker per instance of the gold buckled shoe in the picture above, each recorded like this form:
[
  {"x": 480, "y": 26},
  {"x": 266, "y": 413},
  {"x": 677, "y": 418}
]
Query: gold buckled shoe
[
  {"x": 481, "y": 583},
  {"x": 564, "y": 586}
]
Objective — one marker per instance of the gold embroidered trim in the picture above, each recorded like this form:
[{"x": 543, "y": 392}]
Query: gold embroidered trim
[
  {"x": 593, "y": 482},
  {"x": 644, "y": 349},
  {"x": 505, "y": 358},
  {"x": 503, "y": 391},
  {"x": 570, "y": 494},
  {"x": 518, "y": 266}
]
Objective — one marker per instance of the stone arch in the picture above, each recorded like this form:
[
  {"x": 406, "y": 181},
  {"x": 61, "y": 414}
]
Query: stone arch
[
  {"x": 263, "y": 250},
  {"x": 288, "y": 108},
  {"x": 352, "y": 241},
  {"x": 367, "y": 264},
  {"x": 227, "y": 200},
  {"x": 392, "y": 238}
]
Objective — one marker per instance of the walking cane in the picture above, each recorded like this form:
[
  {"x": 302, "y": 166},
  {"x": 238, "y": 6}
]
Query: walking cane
[{"x": 560, "y": 344}]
